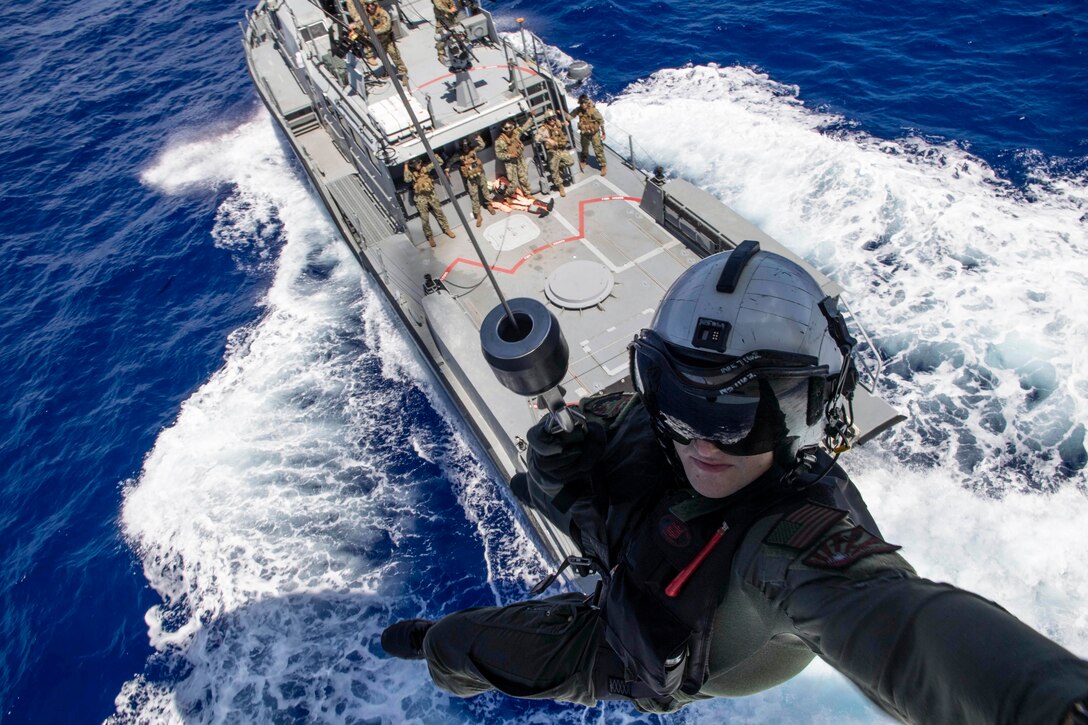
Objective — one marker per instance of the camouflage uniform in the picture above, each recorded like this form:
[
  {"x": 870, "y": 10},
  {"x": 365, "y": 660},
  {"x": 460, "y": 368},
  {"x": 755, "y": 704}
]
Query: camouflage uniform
[
  {"x": 510, "y": 150},
  {"x": 426, "y": 199},
  {"x": 590, "y": 130},
  {"x": 359, "y": 40},
  {"x": 383, "y": 28},
  {"x": 472, "y": 173},
  {"x": 445, "y": 15},
  {"x": 554, "y": 137}
]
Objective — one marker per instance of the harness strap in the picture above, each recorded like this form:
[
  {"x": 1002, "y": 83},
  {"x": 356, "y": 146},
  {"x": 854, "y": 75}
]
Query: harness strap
[{"x": 582, "y": 566}]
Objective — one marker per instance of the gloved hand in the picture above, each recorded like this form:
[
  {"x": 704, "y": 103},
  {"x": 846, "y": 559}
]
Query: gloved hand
[{"x": 559, "y": 459}]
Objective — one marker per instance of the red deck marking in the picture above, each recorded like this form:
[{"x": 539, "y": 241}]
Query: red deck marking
[
  {"x": 544, "y": 247},
  {"x": 475, "y": 67}
]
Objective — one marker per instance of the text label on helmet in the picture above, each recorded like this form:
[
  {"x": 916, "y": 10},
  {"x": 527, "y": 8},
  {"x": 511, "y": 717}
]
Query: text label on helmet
[{"x": 711, "y": 334}]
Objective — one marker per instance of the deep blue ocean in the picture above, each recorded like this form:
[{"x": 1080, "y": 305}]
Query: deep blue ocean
[{"x": 224, "y": 469}]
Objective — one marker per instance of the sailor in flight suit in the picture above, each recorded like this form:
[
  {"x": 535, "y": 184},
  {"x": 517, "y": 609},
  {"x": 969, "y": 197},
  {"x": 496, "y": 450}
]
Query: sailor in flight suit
[{"x": 743, "y": 383}]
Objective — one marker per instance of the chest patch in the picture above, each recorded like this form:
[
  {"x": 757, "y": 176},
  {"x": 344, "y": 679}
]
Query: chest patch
[
  {"x": 674, "y": 531},
  {"x": 844, "y": 548},
  {"x": 606, "y": 406},
  {"x": 802, "y": 527}
]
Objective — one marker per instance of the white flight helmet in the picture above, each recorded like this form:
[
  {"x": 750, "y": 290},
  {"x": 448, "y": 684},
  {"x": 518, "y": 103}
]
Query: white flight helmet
[{"x": 745, "y": 351}]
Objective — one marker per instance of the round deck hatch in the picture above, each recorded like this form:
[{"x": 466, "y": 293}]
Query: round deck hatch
[{"x": 578, "y": 285}]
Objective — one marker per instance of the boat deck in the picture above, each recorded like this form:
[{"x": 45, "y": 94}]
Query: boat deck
[
  {"x": 600, "y": 261},
  {"x": 597, "y": 222},
  {"x": 598, "y": 225},
  {"x": 501, "y": 81}
]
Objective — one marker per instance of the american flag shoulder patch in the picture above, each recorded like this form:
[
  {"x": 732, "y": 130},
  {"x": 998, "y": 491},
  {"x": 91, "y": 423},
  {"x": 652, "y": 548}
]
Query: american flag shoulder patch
[
  {"x": 843, "y": 548},
  {"x": 801, "y": 527}
]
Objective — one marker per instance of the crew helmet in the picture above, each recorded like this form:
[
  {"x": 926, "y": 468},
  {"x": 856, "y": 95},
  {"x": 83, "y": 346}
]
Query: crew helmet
[{"x": 745, "y": 351}]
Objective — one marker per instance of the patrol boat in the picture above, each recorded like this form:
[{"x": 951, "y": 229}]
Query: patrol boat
[{"x": 594, "y": 267}]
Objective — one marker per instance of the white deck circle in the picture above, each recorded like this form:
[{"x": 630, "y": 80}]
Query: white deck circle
[
  {"x": 514, "y": 231},
  {"x": 578, "y": 285}
]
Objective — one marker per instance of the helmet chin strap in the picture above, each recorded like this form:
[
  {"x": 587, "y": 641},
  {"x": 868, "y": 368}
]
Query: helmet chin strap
[
  {"x": 803, "y": 472},
  {"x": 839, "y": 430}
]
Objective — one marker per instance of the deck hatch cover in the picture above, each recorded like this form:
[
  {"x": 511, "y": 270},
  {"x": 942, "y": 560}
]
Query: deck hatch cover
[{"x": 578, "y": 285}]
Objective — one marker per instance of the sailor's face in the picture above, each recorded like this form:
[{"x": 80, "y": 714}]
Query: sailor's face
[{"x": 715, "y": 474}]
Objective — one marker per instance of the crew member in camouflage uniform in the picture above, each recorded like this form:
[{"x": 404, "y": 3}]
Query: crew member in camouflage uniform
[
  {"x": 358, "y": 39},
  {"x": 590, "y": 129},
  {"x": 417, "y": 173},
  {"x": 472, "y": 173},
  {"x": 732, "y": 548},
  {"x": 557, "y": 146},
  {"x": 510, "y": 150},
  {"x": 383, "y": 28},
  {"x": 445, "y": 15}
]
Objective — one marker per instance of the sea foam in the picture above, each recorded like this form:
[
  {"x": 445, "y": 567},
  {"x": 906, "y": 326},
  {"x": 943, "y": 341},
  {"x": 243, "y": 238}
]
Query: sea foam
[
  {"x": 303, "y": 497},
  {"x": 968, "y": 285}
]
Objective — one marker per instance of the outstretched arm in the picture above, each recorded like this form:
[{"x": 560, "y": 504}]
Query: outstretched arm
[
  {"x": 929, "y": 652},
  {"x": 453, "y": 161}
]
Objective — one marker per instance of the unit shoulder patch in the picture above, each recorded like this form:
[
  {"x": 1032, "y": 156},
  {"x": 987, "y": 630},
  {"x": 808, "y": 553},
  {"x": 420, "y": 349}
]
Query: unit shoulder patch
[
  {"x": 608, "y": 405},
  {"x": 801, "y": 527},
  {"x": 843, "y": 548}
]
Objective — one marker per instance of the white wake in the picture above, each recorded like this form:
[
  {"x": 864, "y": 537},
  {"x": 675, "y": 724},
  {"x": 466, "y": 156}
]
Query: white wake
[
  {"x": 302, "y": 498},
  {"x": 309, "y": 490},
  {"x": 967, "y": 283}
]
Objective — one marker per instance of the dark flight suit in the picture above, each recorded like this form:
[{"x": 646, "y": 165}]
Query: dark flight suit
[{"x": 798, "y": 586}]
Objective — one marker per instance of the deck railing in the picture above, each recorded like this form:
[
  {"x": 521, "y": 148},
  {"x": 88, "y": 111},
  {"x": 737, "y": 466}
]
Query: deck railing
[{"x": 624, "y": 145}]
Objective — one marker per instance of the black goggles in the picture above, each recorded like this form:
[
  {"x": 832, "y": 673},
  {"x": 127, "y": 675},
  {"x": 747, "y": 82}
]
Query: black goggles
[{"x": 745, "y": 406}]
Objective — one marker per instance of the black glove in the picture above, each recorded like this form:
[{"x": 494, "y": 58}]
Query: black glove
[
  {"x": 557, "y": 460},
  {"x": 1078, "y": 713}
]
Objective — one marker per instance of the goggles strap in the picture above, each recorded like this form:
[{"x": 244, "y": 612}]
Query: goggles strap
[
  {"x": 840, "y": 333},
  {"x": 839, "y": 431}
]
